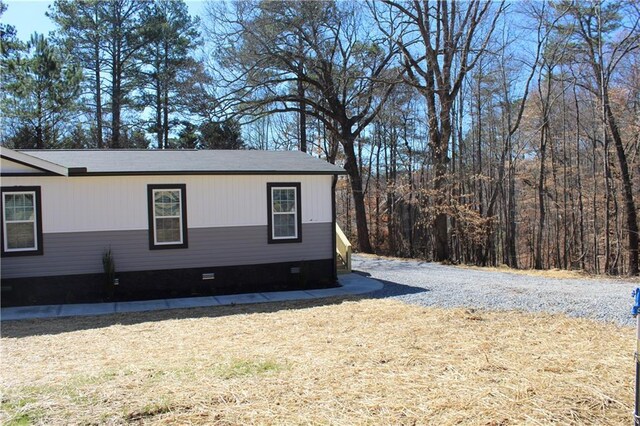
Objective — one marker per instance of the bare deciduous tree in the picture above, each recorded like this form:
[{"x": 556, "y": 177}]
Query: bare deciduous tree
[
  {"x": 268, "y": 50},
  {"x": 440, "y": 41}
]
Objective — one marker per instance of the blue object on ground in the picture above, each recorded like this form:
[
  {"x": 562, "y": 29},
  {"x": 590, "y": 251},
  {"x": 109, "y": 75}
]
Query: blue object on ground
[{"x": 636, "y": 307}]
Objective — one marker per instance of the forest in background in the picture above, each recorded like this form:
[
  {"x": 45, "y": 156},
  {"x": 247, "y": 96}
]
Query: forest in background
[{"x": 472, "y": 132}]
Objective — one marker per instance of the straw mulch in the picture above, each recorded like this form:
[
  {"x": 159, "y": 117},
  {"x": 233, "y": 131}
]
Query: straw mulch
[{"x": 339, "y": 362}]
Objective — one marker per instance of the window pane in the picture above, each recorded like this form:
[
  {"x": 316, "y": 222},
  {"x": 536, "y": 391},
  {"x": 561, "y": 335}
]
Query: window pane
[
  {"x": 159, "y": 209},
  {"x": 20, "y": 235},
  {"x": 9, "y": 201},
  {"x": 19, "y": 200},
  {"x": 167, "y": 203},
  {"x": 10, "y": 212},
  {"x": 281, "y": 194},
  {"x": 167, "y": 196},
  {"x": 168, "y": 230},
  {"x": 23, "y": 213},
  {"x": 27, "y": 200},
  {"x": 167, "y": 209},
  {"x": 284, "y": 225},
  {"x": 284, "y": 206},
  {"x": 18, "y": 207},
  {"x": 284, "y": 200}
]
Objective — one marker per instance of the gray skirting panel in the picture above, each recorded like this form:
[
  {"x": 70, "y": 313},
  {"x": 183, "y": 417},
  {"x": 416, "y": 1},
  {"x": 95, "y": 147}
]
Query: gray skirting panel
[{"x": 81, "y": 252}]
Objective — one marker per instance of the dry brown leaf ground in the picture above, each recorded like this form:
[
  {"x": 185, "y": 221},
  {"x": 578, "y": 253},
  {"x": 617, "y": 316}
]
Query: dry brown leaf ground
[{"x": 328, "y": 362}]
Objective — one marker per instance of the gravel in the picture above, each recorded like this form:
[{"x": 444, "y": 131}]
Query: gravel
[{"x": 433, "y": 284}]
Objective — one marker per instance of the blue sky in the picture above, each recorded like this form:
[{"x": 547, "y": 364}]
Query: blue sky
[{"x": 29, "y": 15}]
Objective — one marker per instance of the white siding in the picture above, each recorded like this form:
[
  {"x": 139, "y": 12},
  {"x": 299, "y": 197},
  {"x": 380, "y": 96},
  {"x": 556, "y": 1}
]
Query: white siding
[{"x": 110, "y": 203}]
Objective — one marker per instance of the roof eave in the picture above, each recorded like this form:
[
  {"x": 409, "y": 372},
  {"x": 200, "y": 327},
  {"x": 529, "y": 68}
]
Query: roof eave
[
  {"x": 34, "y": 162},
  {"x": 76, "y": 172}
]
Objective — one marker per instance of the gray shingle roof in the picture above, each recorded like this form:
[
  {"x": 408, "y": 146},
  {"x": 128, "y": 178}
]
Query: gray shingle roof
[{"x": 187, "y": 161}]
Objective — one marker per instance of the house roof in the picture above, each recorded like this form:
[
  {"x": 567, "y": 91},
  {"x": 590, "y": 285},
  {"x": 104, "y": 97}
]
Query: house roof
[
  {"x": 132, "y": 162},
  {"x": 41, "y": 165}
]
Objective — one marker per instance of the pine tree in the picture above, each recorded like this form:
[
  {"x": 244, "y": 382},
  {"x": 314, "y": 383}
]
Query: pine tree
[
  {"x": 81, "y": 31},
  {"x": 40, "y": 93},
  {"x": 170, "y": 35}
]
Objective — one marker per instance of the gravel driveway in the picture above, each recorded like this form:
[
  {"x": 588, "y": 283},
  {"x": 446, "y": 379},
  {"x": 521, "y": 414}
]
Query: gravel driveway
[{"x": 432, "y": 284}]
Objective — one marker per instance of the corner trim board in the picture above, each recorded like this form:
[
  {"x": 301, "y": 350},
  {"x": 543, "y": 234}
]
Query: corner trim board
[{"x": 334, "y": 182}]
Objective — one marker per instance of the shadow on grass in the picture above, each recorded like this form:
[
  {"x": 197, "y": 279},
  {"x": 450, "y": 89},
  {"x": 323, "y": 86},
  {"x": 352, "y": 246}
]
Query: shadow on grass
[{"x": 53, "y": 326}]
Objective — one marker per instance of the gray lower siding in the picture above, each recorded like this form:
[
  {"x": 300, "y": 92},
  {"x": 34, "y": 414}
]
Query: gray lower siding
[{"x": 81, "y": 252}]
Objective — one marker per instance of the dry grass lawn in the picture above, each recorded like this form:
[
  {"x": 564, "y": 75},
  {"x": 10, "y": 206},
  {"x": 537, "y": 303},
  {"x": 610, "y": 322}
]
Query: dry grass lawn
[{"x": 338, "y": 362}]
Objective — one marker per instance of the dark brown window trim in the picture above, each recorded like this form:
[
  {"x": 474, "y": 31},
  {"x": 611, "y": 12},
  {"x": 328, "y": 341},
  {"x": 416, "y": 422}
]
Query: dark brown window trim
[
  {"x": 296, "y": 185},
  {"x": 183, "y": 203},
  {"x": 38, "y": 208}
]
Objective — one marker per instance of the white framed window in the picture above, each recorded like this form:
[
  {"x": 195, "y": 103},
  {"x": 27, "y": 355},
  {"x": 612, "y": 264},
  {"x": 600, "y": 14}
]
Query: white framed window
[
  {"x": 167, "y": 216},
  {"x": 21, "y": 223},
  {"x": 284, "y": 212}
]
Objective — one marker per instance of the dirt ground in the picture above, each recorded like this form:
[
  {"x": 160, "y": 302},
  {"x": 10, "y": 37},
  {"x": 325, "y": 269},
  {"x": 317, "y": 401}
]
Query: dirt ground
[{"x": 355, "y": 361}]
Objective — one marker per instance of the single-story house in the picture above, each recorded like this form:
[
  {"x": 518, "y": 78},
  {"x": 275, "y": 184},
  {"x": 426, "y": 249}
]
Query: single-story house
[{"x": 167, "y": 223}]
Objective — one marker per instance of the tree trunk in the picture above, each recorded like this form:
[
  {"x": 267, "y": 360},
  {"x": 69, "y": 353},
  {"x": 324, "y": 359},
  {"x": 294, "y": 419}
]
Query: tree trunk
[
  {"x": 481, "y": 255},
  {"x": 390, "y": 175},
  {"x": 302, "y": 115},
  {"x": 607, "y": 205},
  {"x": 116, "y": 77},
  {"x": 115, "y": 109},
  {"x": 554, "y": 177},
  {"x": 511, "y": 226},
  {"x": 579, "y": 182},
  {"x": 629, "y": 202},
  {"x": 351, "y": 166},
  {"x": 303, "y": 119},
  {"x": 541, "y": 206},
  {"x": 39, "y": 132},
  {"x": 98, "y": 96},
  {"x": 158, "y": 124},
  {"x": 164, "y": 84},
  {"x": 440, "y": 136},
  {"x": 165, "y": 122},
  {"x": 565, "y": 187},
  {"x": 378, "y": 146},
  {"x": 594, "y": 206},
  {"x": 440, "y": 224}
]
